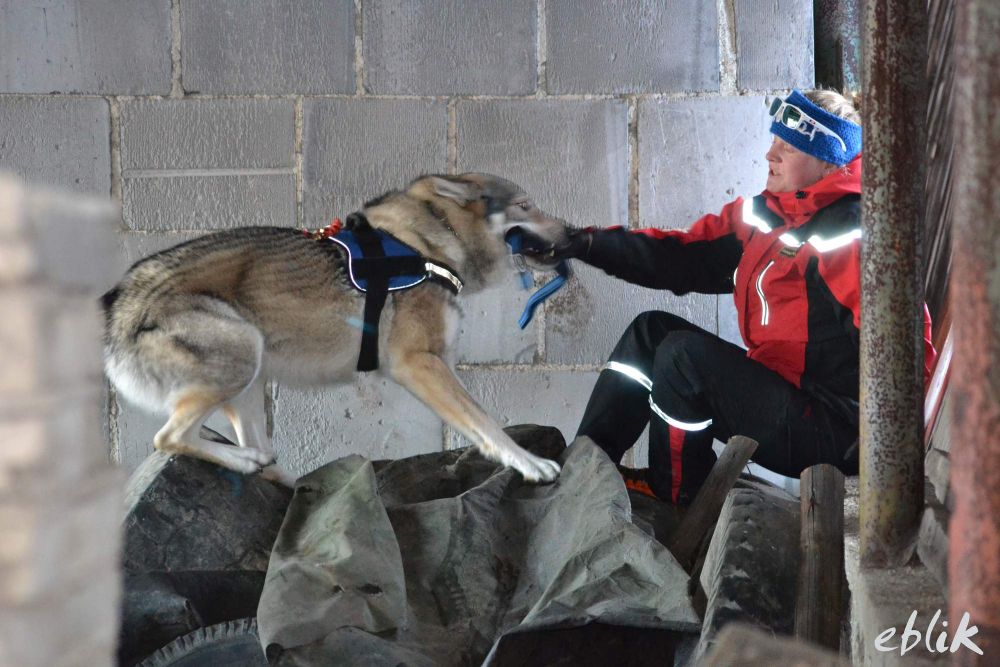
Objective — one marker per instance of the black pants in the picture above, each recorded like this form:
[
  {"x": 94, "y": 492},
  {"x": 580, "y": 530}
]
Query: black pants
[{"x": 691, "y": 386}]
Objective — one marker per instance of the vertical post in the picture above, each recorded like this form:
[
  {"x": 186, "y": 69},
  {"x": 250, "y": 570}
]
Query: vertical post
[
  {"x": 974, "y": 558},
  {"x": 60, "y": 498},
  {"x": 819, "y": 604},
  {"x": 837, "y": 30},
  {"x": 894, "y": 105}
]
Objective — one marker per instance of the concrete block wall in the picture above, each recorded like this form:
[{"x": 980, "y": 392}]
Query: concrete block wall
[{"x": 205, "y": 114}]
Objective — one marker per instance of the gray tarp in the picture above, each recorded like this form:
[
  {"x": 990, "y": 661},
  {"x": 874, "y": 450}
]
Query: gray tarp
[{"x": 446, "y": 559}]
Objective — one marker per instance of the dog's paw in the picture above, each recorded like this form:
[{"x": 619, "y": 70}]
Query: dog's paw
[
  {"x": 275, "y": 473},
  {"x": 537, "y": 469},
  {"x": 246, "y": 460}
]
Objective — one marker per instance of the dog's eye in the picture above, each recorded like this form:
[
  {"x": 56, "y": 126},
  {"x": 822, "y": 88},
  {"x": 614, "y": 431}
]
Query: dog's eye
[{"x": 524, "y": 205}]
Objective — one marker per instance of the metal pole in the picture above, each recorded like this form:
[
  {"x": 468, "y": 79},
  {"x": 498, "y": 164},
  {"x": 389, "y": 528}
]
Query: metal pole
[
  {"x": 894, "y": 105},
  {"x": 974, "y": 558},
  {"x": 837, "y": 26}
]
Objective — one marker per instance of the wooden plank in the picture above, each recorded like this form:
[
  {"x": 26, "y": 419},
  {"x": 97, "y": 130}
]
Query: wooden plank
[
  {"x": 937, "y": 467},
  {"x": 686, "y": 541},
  {"x": 932, "y": 543},
  {"x": 739, "y": 645},
  {"x": 819, "y": 605}
]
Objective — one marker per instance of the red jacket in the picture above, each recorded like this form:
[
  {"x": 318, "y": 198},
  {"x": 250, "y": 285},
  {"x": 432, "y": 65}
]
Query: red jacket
[{"x": 792, "y": 262}]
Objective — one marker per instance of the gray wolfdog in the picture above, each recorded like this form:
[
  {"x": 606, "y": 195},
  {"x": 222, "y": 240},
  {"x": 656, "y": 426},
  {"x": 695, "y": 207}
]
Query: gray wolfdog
[{"x": 203, "y": 325}]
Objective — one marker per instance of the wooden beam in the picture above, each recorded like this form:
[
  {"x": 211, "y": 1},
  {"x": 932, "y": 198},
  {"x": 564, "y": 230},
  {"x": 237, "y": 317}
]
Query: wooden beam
[
  {"x": 819, "y": 605},
  {"x": 705, "y": 508}
]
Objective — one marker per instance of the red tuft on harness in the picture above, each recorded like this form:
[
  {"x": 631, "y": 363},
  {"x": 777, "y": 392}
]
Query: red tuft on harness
[{"x": 330, "y": 230}]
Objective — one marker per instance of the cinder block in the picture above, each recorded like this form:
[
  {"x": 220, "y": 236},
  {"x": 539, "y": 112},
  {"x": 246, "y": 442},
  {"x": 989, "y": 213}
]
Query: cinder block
[
  {"x": 35, "y": 225},
  {"x": 774, "y": 44},
  {"x": 696, "y": 155},
  {"x": 584, "y": 321},
  {"x": 488, "y": 331},
  {"x": 729, "y": 327},
  {"x": 52, "y": 426},
  {"x": 208, "y": 202},
  {"x": 571, "y": 156},
  {"x": 355, "y": 150},
  {"x": 111, "y": 47},
  {"x": 84, "y": 520},
  {"x": 548, "y": 398},
  {"x": 87, "y": 617},
  {"x": 594, "y": 46},
  {"x": 58, "y": 141},
  {"x": 373, "y": 417},
  {"x": 451, "y": 47},
  {"x": 208, "y": 134},
  {"x": 49, "y": 343},
  {"x": 263, "y": 46}
]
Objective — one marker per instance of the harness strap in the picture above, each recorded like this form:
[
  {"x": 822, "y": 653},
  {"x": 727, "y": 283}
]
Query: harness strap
[
  {"x": 377, "y": 289},
  {"x": 376, "y": 269}
]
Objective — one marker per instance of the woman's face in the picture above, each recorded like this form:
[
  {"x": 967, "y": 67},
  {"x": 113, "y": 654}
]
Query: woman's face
[{"x": 789, "y": 169}]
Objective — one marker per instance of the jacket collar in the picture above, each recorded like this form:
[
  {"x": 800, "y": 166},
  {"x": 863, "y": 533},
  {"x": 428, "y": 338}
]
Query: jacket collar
[{"x": 797, "y": 207}]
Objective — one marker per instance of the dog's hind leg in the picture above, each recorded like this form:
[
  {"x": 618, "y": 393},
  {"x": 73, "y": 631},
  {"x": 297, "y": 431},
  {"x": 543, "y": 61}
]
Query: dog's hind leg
[
  {"x": 247, "y": 413},
  {"x": 180, "y": 434},
  {"x": 428, "y": 378}
]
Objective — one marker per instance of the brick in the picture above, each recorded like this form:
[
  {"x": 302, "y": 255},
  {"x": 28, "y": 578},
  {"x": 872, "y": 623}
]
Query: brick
[
  {"x": 571, "y": 156},
  {"x": 584, "y": 321},
  {"x": 34, "y": 227},
  {"x": 57, "y": 217},
  {"x": 56, "y": 426},
  {"x": 47, "y": 342},
  {"x": 354, "y": 150},
  {"x": 208, "y": 134},
  {"x": 208, "y": 202},
  {"x": 729, "y": 327},
  {"x": 488, "y": 331},
  {"x": 774, "y": 44},
  {"x": 545, "y": 397},
  {"x": 57, "y": 141},
  {"x": 87, "y": 618},
  {"x": 265, "y": 46},
  {"x": 594, "y": 46},
  {"x": 83, "y": 520},
  {"x": 373, "y": 417},
  {"x": 696, "y": 155},
  {"x": 450, "y": 47},
  {"x": 111, "y": 47}
]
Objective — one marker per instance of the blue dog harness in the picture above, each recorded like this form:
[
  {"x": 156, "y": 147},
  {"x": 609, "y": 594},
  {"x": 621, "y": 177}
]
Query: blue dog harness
[{"x": 379, "y": 263}]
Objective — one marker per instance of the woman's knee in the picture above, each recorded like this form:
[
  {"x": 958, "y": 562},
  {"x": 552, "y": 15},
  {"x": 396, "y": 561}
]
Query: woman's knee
[{"x": 689, "y": 346}]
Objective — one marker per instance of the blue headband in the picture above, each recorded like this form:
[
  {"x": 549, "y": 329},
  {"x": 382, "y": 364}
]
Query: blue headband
[{"x": 821, "y": 145}]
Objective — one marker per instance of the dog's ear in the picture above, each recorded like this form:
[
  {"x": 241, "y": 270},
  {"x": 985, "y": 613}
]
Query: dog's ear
[{"x": 461, "y": 192}]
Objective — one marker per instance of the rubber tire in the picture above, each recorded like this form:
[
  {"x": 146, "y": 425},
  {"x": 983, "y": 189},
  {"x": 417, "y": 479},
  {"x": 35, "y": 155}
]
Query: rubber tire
[
  {"x": 750, "y": 575},
  {"x": 229, "y": 644}
]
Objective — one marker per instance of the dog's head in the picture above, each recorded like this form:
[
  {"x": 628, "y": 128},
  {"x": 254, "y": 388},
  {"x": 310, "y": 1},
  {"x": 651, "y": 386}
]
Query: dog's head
[{"x": 502, "y": 205}]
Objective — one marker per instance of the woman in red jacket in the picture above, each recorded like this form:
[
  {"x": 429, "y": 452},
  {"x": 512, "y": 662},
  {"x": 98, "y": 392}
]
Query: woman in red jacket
[{"x": 790, "y": 257}]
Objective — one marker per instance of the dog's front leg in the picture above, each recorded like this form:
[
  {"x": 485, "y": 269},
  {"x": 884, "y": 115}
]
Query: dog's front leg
[{"x": 428, "y": 378}]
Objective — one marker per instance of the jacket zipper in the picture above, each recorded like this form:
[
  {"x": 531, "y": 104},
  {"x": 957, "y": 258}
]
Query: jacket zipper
[{"x": 765, "y": 313}]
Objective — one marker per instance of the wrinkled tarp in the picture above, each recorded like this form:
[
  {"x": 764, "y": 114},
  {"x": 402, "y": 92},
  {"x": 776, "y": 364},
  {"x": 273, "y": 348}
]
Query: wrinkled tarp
[{"x": 428, "y": 564}]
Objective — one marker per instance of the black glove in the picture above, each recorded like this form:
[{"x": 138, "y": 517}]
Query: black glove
[{"x": 576, "y": 245}]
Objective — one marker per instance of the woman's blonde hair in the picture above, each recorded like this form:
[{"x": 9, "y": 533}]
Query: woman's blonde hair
[{"x": 847, "y": 106}]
